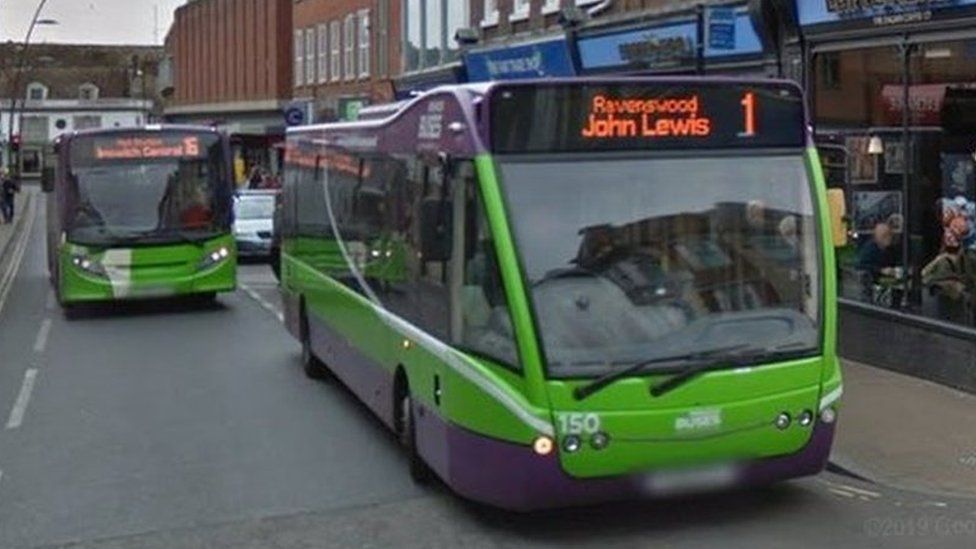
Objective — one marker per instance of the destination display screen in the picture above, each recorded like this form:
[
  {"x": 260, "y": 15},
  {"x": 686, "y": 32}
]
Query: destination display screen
[
  {"x": 141, "y": 147},
  {"x": 641, "y": 116}
]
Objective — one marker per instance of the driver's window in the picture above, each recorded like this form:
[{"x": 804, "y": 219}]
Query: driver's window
[{"x": 482, "y": 319}]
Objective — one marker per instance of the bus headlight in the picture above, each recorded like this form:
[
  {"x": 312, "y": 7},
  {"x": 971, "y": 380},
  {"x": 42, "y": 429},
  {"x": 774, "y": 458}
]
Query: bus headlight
[
  {"x": 783, "y": 421},
  {"x": 88, "y": 265},
  {"x": 214, "y": 258},
  {"x": 599, "y": 440},
  {"x": 828, "y": 415},
  {"x": 572, "y": 444},
  {"x": 806, "y": 418}
]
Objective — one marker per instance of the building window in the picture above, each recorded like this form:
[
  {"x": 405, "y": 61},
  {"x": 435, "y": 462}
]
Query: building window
[
  {"x": 87, "y": 122},
  {"x": 335, "y": 58},
  {"x": 550, "y": 6},
  {"x": 323, "y": 53},
  {"x": 349, "y": 42},
  {"x": 520, "y": 10},
  {"x": 364, "y": 43},
  {"x": 490, "y": 17},
  {"x": 382, "y": 33},
  {"x": 36, "y": 91},
  {"x": 431, "y": 27},
  {"x": 88, "y": 92},
  {"x": 310, "y": 56},
  {"x": 457, "y": 18},
  {"x": 299, "y": 58}
]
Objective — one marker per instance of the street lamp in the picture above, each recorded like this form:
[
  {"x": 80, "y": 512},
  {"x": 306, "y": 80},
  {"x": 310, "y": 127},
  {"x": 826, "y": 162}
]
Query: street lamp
[{"x": 36, "y": 21}]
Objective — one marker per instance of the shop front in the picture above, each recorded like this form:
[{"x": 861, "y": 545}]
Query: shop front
[
  {"x": 893, "y": 95},
  {"x": 721, "y": 39}
]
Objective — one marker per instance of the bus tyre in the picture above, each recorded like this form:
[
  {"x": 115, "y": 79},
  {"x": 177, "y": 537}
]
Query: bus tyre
[
  {"x": 314, "y": 368},
  {"x": 419, "y": 471}
]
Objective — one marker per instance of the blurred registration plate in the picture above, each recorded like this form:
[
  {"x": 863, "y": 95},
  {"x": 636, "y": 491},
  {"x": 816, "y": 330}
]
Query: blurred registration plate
[{"x": 692, "y": 480}]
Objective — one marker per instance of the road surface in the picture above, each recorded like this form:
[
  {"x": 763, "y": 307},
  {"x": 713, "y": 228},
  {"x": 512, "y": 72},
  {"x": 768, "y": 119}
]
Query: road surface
[{"x": 174, "y": 425}]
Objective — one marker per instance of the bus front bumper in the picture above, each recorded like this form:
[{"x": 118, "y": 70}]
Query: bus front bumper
[
  {"x": 514, "y": 477},
  {"x": 79, "y": 287}
]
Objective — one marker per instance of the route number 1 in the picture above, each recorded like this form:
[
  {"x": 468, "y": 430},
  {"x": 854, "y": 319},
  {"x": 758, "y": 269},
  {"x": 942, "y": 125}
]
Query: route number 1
[{"x": 749, "y": 112}]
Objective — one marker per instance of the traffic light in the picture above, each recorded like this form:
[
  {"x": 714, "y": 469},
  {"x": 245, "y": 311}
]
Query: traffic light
[{"x": 15, "y": 143}]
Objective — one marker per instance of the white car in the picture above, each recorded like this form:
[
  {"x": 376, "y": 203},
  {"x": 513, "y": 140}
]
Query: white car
[{"x": 254, "y": 223}]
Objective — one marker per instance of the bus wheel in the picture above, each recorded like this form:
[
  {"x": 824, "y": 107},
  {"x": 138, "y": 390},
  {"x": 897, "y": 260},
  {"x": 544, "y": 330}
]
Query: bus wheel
[
  {"x": 314, "y": 368},
  {"x": 419, "y": 471}
]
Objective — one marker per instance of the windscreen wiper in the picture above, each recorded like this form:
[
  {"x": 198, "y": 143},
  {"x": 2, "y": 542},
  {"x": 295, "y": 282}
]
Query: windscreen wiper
[
  {"x": 609, "y": 378},
  {"x": 745, "y": 358}
]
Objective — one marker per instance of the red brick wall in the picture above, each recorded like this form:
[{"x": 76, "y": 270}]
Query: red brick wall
[
  {"x": 231, "y": 51},
  {"x": 378, "y": 87}
]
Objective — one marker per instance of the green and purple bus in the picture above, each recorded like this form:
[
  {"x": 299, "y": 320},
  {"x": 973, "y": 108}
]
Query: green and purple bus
[
  {"x": 140, "y": 213},
  {"x": 569, "y": 291}
]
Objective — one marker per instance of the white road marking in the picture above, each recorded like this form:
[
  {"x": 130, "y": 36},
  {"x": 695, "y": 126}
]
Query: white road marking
[
  {"x": 40, "y": 342},
  {"x": 7, "y": 279},
  {"x": 860, "y": 491},
  {"x": 264, "y": 303},
  {"x": 23, "y": 398},
  {"x": 840, "y": 492}
]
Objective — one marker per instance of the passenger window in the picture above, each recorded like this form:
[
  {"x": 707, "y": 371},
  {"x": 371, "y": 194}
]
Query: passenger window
[{"x": 483, "y": 322}]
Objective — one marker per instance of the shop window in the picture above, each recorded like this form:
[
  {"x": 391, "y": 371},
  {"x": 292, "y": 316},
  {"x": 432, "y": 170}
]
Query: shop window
[
  {"x": 87, "y": 122},
  {"x": 830, "y": 72},
  {"x": 911, "y": 194}
]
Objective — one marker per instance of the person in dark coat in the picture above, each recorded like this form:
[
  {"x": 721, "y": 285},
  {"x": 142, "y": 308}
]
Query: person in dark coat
[{"x": 8, "y": 189}]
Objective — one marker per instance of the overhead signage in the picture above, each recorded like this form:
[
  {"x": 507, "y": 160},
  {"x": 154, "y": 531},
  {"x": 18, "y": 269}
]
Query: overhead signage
[
  {"x": 631, "y": 116},
  {"x": 671, "y": 45},
  {"x": 545, "y": 59},
  {"x": 879, "y": 13}
]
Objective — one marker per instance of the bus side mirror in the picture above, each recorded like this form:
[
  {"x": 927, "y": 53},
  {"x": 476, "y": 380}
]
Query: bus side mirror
[
  {"x": 47, "y": 179},
  {"x": 837, "y": 204},
  {"x": 435, "y": 230}
]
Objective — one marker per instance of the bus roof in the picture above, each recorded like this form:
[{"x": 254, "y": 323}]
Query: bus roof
[
  {"x": 469, "y": 99},
  {"x": 150, "y": 128}
]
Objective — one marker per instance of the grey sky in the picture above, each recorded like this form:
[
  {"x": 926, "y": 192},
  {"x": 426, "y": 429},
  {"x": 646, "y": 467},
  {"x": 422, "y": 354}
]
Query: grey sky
[{"x": 89, "y": 21}]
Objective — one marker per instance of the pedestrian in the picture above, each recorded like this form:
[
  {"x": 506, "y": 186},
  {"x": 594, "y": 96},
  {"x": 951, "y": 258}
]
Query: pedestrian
[{"x": 8, "y": 188}]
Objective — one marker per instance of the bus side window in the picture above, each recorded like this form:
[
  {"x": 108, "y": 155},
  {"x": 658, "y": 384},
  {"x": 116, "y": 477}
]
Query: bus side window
[{"x": 482, "y": 317}]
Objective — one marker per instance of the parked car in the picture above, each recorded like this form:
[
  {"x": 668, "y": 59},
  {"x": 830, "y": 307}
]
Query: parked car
[{"x": 254, "y": 223}]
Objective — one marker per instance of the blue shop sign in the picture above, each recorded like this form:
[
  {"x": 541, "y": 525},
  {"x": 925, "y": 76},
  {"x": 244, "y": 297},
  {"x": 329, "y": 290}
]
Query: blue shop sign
[
  {"x": 543, "y": 59},
  {"x": 663, "y": 46},
  {"x": 878, "y": 13}
]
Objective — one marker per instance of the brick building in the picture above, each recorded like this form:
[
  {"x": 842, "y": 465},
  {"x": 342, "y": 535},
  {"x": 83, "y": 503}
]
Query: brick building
[
  {"x": 64, "y": 87},
  {"x": 229, "y": 64},
  {"x": 345, "y": 54}
]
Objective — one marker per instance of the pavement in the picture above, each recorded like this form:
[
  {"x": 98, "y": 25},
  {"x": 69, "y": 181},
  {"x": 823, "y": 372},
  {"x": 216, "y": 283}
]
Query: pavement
[
  {"x": 907, "y": 432},
  {"x": 160, "y": 425}
]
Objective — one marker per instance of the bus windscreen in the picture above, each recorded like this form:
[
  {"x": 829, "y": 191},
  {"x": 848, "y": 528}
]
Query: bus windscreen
[{"x": 629, "y": 116}]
